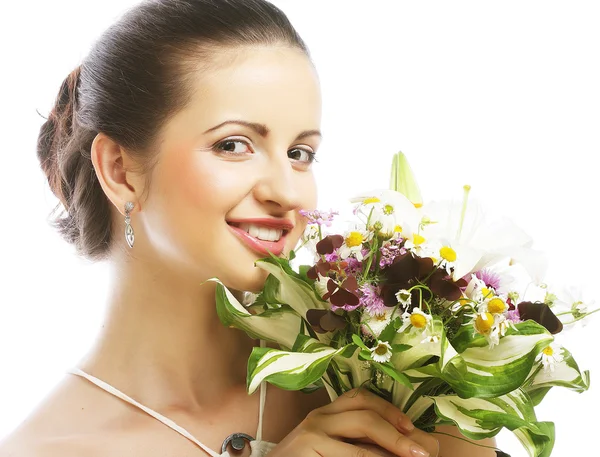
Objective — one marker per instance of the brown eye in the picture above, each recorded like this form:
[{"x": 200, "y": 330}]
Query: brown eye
[
  {"x": 232, "y": 147},
  {"x": 302, "y": 155}
]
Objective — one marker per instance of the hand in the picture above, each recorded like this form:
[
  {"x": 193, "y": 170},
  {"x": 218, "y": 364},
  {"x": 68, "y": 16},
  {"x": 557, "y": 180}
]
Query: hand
[{"x": 356, "y": 424}]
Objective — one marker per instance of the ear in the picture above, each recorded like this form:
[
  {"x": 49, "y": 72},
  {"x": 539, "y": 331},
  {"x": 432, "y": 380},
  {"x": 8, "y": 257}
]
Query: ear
[{"x": 114, "y": 168}]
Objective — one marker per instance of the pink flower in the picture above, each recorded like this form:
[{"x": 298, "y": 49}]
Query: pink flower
[
  {"x": 319, "y": 217},
  {"x": 513, "y": 316},
  {"x": 372, "y": 300}
]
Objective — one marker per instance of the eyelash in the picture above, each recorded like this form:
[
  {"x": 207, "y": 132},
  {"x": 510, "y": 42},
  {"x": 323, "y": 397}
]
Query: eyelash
[{"x": 312, "y": 155}]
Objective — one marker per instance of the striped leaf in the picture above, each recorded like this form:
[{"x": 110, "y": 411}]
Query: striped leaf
[
  {"x": 293, "y": 289},
  {"x": 290, "y": 370},
  {"x": 280, "y": 325},
  {"x": 479, "y": 418},
  {"x": 565, "y": 374},
  {"x": 475, "y": 370}
]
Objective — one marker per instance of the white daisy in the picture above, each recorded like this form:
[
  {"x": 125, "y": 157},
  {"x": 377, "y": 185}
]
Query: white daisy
[
  {"x": 417, "y": 321},
  {"x": 404, "y": 297},
  {"x": 486, "y": 324},
  {"x": 374, "y": 325},
  {"x": 550, "y": 356},
  {"x": 382, "y": 352},
  {"x": 353, "y": 244}
]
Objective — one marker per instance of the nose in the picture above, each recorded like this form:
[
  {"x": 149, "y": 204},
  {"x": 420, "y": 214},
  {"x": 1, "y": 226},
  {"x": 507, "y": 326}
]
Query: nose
[{"x": 278, "y": 187}]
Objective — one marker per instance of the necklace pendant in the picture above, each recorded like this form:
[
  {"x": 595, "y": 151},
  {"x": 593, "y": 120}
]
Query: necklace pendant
[{"x": 237, "y": 440}]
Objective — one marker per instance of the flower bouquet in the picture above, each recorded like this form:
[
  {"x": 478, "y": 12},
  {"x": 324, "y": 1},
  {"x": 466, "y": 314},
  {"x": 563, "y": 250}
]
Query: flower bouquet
[{"x": 430, "y": 306}]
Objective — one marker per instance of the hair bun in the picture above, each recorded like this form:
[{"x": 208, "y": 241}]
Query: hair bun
[{"x": 56, "y": 132}]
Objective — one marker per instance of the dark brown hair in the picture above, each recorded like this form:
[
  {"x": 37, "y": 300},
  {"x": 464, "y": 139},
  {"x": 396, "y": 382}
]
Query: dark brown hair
[{"x": 136, "y": 76}]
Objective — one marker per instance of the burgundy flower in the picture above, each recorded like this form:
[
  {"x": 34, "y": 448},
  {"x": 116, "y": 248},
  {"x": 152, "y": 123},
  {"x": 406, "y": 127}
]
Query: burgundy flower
[
  {"x": 323, "y": 320},
  {"x": 540, "y": 313}
]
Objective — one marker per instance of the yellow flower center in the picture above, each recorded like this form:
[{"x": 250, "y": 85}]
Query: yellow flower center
[
  {"x": 448, "y": 254},
  {"x": 484, "y": 322},
  {"x": 354, "y": 239},
  {"x": 388, "y": 209},
  {"x": 398, "y": 229},
  {"x": 418, "y": 239},
  {"x": 486, "y": 292},
  {"x": 418, "y": 205},
  {"x": 496, "y": 306},
  {"x": 381, "y": 349},
  {"x": 549, "y": 351},
  {"x": 463, "y": 301},
  {"x": 418, "y": 320},
  {"x": 366, "y": 201}
]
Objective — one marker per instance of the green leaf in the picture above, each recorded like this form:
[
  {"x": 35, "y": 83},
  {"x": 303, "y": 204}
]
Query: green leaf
[
  {"x": 565, "y": 374},
  {"x": 292, "y": 289},
  {"x": 479, "y": 418},
  {"x": 389, "y": 370},
  {"x": 400, "y": 347},
  {"x": 290, "y": 370},
  {"x": 476, "y": 370},
  {"x": 419, "y": 353},
  {"x": 356, "y": 340},
  {"x": 280, "y": 325}
]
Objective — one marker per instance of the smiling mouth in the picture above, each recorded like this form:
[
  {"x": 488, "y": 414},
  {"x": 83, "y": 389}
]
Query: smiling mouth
[{"x": 261, "y": 232}]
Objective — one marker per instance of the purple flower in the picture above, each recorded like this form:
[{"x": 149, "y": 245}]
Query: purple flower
[
  {"x": 513, "y": 316},
  {"x": 333, "y": 257},
  {"x": 319, "y": 217},
  {"x": 490, "y": 278},
  {"x": 372, "y": 300},
  {"x": 345, "y": 307},
  {"x": 390, "y": 251},
  {"x": 354, "y": 266}
]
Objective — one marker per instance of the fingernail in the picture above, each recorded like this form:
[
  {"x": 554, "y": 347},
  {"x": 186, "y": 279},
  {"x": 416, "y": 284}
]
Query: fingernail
[{"x": 418, "y": 452}]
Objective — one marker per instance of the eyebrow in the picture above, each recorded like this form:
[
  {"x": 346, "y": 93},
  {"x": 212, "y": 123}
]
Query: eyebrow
[{"x": 262, "y": 129}]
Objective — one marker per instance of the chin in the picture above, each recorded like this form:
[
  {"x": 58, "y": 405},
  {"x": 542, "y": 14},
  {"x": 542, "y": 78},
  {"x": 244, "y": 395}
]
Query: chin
[{"x": 248, "y": 280}]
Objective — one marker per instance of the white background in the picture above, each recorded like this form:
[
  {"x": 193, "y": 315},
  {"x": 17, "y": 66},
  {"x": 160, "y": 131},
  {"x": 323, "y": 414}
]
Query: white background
[{"x": 501, "y": 95}]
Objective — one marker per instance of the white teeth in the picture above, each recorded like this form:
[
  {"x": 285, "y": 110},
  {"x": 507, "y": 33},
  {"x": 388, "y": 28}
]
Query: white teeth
[{"x": 262, "y": 233}]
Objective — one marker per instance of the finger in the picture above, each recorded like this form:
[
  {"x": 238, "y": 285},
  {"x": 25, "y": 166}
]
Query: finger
[
  {"x": 363, "y": 399},
  {"x": 368, "y": 424},
  {"x": 333, "y": 448},
  {"x": 426, "y": 440}
]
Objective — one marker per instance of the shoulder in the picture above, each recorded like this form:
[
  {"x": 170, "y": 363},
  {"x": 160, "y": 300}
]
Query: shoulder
[{"x": 453, "y": 443}]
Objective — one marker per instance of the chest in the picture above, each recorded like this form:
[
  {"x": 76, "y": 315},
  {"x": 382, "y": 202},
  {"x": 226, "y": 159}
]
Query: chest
[{"x": 145, "y": 436}]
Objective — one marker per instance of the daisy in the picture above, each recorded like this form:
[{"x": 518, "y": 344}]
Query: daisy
[
  {"x": 404, "y": 297},
  {"x": 382, "y": 352},
  {"x": 373, "y": 325},
  {"x": 417, "y": 320},
  {"x": 486, "y": 325},
  {"x": 550, "y": 356},
  {"x": 353, "y": 242}
]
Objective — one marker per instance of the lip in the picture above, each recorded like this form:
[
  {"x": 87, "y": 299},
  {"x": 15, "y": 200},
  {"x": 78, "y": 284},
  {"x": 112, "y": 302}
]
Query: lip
[{"x": 264, "y": 248}]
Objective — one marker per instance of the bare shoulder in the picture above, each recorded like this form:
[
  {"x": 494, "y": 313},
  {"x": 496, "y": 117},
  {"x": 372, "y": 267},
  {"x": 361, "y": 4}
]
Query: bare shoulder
[{"x": 454, "y": 444}]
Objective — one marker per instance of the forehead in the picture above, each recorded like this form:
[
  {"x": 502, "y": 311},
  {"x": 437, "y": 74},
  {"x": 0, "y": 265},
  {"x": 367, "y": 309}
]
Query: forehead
[{"x": 274, "y": 85}]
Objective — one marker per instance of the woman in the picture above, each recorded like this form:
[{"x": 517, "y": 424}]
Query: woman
[{"x": 156, "y": 178}]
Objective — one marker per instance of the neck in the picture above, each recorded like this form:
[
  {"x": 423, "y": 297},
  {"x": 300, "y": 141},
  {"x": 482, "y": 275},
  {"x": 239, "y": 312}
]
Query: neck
[{"x": 162, "y": 340}]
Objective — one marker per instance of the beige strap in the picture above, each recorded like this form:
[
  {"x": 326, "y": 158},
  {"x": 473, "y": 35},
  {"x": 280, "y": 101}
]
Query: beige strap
[{"x": 168, "y": 422}]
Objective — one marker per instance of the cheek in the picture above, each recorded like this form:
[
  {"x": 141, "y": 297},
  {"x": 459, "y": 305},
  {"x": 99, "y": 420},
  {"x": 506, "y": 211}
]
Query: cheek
[{"x": 192, "y": 195}]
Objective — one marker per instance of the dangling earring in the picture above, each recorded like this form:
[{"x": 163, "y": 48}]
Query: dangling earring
[{"x": 129, "y": 236}]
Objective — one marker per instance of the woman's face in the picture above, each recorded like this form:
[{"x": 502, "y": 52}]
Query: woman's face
[{"x": 223, "y": 194}]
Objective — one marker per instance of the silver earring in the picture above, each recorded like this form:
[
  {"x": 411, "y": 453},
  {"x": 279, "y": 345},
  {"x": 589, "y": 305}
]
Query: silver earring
[{"x": 129, "y": 236}]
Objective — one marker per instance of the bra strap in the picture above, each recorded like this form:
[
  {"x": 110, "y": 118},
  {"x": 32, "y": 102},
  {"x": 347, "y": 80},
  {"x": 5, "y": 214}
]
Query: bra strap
[
  {"x": 263, "y": 398},
  {"x": 168, "y": 422}
]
